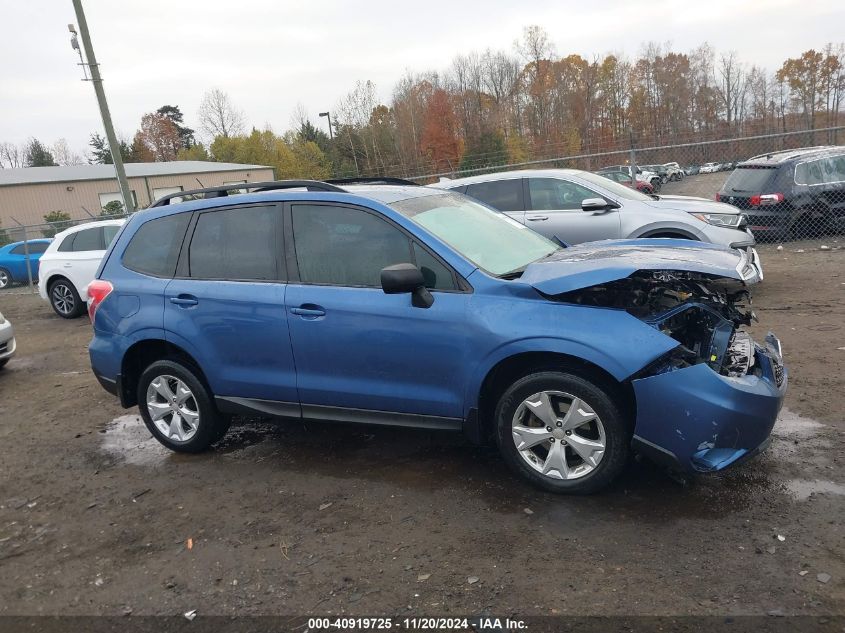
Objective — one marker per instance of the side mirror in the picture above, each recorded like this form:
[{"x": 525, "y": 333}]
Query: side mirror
[
  {"x": 406, "y": 278},
  {"x": 595, "y": 204}
]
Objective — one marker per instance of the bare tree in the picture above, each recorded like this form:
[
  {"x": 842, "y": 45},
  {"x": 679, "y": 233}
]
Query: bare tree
[
  {"x": 730, "y": 85},
  {"x": 11, "y": 155},
  {"x": 218, "y": 116},
  {"x": 63, "y": 155}
]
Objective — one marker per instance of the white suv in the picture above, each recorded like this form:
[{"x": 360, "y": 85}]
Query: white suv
[{"x": 70, "y": 263}]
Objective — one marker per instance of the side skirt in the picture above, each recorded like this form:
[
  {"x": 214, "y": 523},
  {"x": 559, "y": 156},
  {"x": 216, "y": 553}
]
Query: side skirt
[{"x": 321, "y": 413}]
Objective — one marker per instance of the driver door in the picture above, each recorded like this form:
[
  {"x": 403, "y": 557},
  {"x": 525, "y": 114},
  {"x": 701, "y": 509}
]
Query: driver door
[{"x": 554, "y": 209}]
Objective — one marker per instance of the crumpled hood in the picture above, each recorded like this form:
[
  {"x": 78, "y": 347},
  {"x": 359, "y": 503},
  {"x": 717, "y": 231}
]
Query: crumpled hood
[
  {"x": 692, "y": 204},
  {"x": 595, "y": 263}
]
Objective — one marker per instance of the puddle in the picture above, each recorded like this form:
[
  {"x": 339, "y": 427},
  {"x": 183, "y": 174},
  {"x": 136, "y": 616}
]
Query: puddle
[
  {"x": 127, "y": 439},
  {"x": 803, "y": 489},
  {"x": 794, "y": 433}
]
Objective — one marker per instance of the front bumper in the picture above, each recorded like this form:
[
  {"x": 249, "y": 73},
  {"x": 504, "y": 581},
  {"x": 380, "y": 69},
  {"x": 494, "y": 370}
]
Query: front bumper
[
  {"x": 696, "y": 420},
  {"x": 8, "y": 345}
]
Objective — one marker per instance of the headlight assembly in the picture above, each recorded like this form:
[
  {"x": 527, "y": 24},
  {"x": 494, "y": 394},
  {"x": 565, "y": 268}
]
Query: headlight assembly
[{"x": 730, "y": 220}]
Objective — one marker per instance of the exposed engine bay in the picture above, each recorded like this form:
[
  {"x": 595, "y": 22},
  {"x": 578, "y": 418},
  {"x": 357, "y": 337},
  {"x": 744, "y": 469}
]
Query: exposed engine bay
[{"x": 703, "y": 313}]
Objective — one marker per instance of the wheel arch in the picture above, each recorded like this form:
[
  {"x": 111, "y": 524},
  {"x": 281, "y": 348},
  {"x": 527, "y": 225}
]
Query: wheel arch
[
  {"x": 140, "y": 355},
  {"x": 670, "y": 232},
  {"x": 513, "y": 367}
]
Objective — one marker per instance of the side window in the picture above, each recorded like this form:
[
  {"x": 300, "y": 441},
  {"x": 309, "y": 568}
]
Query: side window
[
  {"x": 34, "y": 248},
  {"x": 154, "y": 249},
  {"x": 67, "y": 243},
  {"x": 436, "y": 275},
  {"x": 503, "y": 195},
  {"x": 551, "y": 194},
  {"x": 238, "y": 244},
  {"x": 345, "y": 247},
  {"x": 109, "y": 232},
  {"x": 88, "y": 240}
]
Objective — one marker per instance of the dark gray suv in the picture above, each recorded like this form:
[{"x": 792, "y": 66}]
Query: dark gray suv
[{"x": 796, "y": 193}]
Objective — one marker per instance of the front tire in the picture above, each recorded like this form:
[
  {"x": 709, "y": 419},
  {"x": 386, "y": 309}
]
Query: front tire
[
  {"x": 563, "y": 433},
  {"x": 177, "y": 408},
  {"x": 65, "y": 299},
  {"x": 5, "y": 279}
]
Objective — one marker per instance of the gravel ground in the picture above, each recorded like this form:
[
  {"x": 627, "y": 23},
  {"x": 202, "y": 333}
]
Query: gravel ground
[{"x": 96, "y": 518}]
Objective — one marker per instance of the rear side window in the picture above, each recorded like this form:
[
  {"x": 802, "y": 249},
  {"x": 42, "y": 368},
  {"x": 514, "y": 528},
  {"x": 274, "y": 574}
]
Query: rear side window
[
  {"x": 345, "y": 247},
  {"x": 87, "y": 240},
  {"x": 34, "y": 248},
  {"x": 108, "y": 234},
  {"x": 235, "y": 244},
  {"x": 749, "y": 179},
  {"x": 154, "y": 249},
  {"x": 503, "y": 195}
]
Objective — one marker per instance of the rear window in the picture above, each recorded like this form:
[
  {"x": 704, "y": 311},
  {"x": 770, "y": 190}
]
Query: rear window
[
  {"x": 154, "y": 249},
  {"x": 749, "y": 179}
]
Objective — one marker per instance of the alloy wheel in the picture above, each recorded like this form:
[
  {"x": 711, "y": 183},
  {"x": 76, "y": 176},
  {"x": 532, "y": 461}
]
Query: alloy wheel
[
  {"x": 4, "y": 279},
  {"x": 63, "y": 299},
  {"x": 558, "y": 435},
  {"x": 173, "y": 408}
]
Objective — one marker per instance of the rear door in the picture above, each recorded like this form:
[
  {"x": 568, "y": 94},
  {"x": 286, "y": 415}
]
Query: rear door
[
  {"x": 554, "y": 210},
  {"x": 226, "y": 306},
  {"x": 506, "y": 196}
]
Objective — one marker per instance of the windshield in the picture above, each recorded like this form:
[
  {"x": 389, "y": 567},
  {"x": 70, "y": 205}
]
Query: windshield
[
  {"x": 490, "y": 240},
  {"x": 612, "y": 187}
]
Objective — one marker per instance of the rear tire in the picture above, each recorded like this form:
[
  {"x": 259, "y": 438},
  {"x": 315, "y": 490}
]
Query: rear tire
[
  {"x": 587, "y": 447},
  {"x": 65, "y": 299},
  {"x": 178, "y": 409}
]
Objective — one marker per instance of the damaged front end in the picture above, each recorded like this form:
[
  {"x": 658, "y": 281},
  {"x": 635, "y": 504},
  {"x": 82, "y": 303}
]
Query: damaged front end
[{"x": 713, "y": 399}]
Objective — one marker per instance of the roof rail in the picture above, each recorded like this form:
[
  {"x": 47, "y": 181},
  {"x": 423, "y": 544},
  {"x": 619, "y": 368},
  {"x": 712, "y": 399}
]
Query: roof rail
[
  {"x": 796, "y": 150},
  {"x": 222, "y": 191},
  {"x": 376, "y": 180}
]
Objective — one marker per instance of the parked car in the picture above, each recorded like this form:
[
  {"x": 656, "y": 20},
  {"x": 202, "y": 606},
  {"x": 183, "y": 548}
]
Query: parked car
[
  {"x": 790, "y": 194},
  {"x": 708, "y": 168},
  {"x": 641, "y": 174},
  {"x": 414, "y": 306},
  {"x": 14, "y": 258},
  {"x": 70, "y": 263},
  {"x": 660, "y": 170},
  {"x": 692, "y": 170},
  {"x": 577, "y": 206},
  {"x": 7, "y": 341},
  {"x": 624, "y": 179},
  {"x": 675, "y": 172}
]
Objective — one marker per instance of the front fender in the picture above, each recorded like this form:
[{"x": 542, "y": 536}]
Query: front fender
[
  {"x": 618, "y": 366},
  {"x": 666, "y": 226}
]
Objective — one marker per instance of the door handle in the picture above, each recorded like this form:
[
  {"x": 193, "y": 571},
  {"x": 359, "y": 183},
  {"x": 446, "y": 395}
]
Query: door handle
[
  {"x": 184, "y": 300},
  {"x": 309, "y": 312},
  {"x": 537, "y": 218},
  {"x": 68, "y": 265}
]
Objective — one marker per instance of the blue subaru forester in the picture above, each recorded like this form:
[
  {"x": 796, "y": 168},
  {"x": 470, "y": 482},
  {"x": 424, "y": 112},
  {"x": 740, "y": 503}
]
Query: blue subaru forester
[{"x": 406, "y": 305}]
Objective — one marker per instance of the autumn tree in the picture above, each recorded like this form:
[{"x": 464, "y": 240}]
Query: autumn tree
[
  {"x": 186, "y": 134},
  {"x": 159, "y": 136},
  {"x": 440, "y": 140}
]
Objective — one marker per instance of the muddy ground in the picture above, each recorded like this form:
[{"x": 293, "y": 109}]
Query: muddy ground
[{"x": 95, "y": 517}]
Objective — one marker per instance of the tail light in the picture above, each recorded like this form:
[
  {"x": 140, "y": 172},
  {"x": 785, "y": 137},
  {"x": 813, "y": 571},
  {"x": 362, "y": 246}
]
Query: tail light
[
  {"x": 98, "y": 290},
  {"x": 766, "y": 199}
]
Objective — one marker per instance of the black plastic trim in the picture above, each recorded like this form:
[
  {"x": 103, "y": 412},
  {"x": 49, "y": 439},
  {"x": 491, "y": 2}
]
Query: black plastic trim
[{"x": 384, "y": 418}]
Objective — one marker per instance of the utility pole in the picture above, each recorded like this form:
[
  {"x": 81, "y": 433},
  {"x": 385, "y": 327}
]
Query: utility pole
[
  {"x": 328, "y": 116},
  {"x": 97, "y": 80}
]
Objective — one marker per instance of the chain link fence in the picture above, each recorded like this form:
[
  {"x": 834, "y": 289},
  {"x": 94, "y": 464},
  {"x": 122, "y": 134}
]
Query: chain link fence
[
  {"x": 21, "y": 247},
  {"x": 790, "y": 186}
]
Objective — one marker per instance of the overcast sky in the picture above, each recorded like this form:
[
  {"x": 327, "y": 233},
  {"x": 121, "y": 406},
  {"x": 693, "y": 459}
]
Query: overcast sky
[{"x": 270, "y": 55}]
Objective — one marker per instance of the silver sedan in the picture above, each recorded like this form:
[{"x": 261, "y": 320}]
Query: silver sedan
[{"x": 578, "y": 206}]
